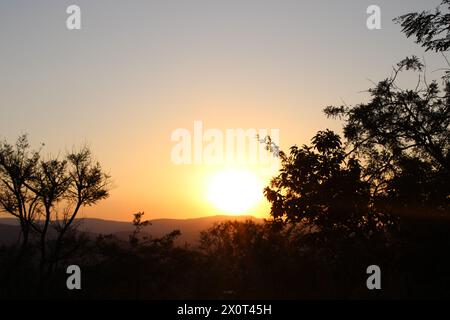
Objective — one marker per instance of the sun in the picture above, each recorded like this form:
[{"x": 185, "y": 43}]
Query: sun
[{"x": 234, "y": 191}]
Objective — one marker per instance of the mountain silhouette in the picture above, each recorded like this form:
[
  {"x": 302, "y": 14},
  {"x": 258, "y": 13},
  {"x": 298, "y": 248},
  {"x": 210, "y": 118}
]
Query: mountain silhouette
[{"x": 190, "y": 228}]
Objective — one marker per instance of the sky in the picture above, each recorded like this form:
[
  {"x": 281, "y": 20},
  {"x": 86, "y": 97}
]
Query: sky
[{"x": 139, "y": 70}]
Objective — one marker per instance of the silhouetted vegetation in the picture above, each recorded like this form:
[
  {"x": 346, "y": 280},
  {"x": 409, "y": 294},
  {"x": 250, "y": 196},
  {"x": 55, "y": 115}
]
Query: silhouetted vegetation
[
  {"x": 431, "y": 29},
  {"x": 378, "y": 195}
]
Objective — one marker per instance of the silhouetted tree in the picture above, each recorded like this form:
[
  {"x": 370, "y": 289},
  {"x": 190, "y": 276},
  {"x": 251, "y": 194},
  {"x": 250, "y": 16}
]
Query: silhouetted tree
[
  {"x": 320, "y": 186},
  {"x": 397, "y": 125},
  {"x": 17, "y": 167},
  {"x": 48, "y": 193},
  {"x": 431, "y": 29},
  {"x": 88, "y": 184},
  {"x": 238, "y": 257},
  {"x": 138, "y": 225}
]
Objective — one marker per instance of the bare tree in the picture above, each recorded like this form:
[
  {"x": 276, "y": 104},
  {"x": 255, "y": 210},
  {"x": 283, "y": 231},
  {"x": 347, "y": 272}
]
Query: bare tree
[
  {"x": 87, "y": 185},
  {"x": 46, "y": 194},
  {"x": 17, "y": 167}
]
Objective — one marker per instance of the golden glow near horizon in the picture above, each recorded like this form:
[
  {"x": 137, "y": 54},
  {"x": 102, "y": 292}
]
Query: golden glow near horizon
[
  {"x": 224, "y": 169},
  {"x": 125, "y": 88},
  {"x": 234, "y": 191}
]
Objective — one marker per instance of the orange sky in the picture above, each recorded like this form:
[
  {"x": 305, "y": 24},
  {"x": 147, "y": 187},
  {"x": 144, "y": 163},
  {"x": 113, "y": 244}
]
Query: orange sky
[{"x": 135, "y": 73}]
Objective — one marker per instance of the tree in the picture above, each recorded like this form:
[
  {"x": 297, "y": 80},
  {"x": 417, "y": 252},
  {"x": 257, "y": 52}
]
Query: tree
[
  {"x": 87, "y": 185},
  {"x": 17, "y": 167},
  {"x": 48, "y": 193},
  {"x": 234, "y": 253},
  {"x": 398, "y": 132},
  {"x": 431, "y": 29},
  {"x": 138, "y": 226},
  {"x": 416, "y": 190},
  {"x": 49, "y": 183},
  {"x": 320, "y": 186},
  {"x": 401, "y": 131}
]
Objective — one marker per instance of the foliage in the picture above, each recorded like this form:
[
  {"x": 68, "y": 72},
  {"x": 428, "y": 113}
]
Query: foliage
[
  {"x": 321, "y": 187},
  {"x": 431, "y": 29}
]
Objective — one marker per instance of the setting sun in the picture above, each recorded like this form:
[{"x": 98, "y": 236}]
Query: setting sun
[{"x": 234, "y": 191}]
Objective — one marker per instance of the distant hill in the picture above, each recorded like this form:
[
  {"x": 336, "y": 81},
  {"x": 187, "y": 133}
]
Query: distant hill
[{"x": 190, "y": 228}]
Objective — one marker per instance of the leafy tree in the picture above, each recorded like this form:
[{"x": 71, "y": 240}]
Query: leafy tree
[
  {"x": 399, "y": 121},
  {"x": 431, "y": 29},
  {"x": 320, "y": 186},
  {"x": 416, "y": 190}
]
